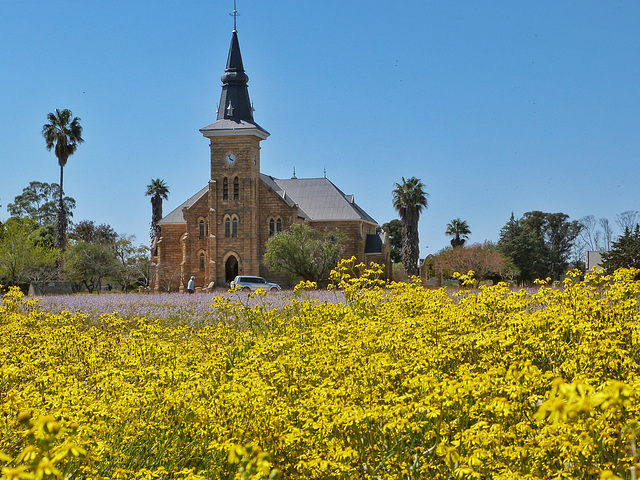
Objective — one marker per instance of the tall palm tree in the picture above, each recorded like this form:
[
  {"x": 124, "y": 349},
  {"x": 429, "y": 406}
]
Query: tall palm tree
[
  {"x": 157, "y": 190},
  {"x": 459, "y": 229},
  {"x": 409, "y": 198},
  {"x": 63, "y": 132}
]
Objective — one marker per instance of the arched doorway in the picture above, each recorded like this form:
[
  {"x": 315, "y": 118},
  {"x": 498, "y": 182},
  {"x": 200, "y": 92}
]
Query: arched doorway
[{"x": 230, "y": 268}]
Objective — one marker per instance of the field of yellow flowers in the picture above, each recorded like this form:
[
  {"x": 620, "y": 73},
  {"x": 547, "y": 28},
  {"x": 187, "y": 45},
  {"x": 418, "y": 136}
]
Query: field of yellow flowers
[{"x": 392, "y": 382}]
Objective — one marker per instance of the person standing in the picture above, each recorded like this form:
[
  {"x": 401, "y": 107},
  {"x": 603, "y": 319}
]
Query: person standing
[{"x": 191, "y": 286}]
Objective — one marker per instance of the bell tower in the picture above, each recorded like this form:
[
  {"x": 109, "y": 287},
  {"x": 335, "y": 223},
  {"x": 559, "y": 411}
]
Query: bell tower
[{"x": 234, "y": 140}]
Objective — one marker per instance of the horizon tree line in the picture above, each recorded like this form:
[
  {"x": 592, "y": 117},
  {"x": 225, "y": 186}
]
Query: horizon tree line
[{"x": 538, "y": 243}]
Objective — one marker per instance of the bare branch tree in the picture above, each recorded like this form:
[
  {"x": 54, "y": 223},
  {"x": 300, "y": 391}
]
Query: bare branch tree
[
  {"x": 627, "y": 219},
  {"x": 590, "y": 236},
  {"x": 607, "y": 234}
]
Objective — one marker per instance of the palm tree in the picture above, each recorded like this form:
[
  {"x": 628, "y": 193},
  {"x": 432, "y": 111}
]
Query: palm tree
[
  {"x": 65, "y": 134},
  {"x": 157, "y": 190},
  {"x": 408, "y": 199},
  {"x": 459, "y": 229}
]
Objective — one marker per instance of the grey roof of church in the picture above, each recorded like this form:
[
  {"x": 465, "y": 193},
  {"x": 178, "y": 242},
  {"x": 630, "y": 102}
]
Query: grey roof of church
[
  {"x": 175, "y": 216},
  {"x": 318, "y": 199}
]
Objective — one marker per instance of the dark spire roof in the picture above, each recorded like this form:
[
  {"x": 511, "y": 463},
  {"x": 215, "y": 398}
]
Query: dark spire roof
[
  {"x": 235, "y": 111},
  {"x": 234, "y": 101}
]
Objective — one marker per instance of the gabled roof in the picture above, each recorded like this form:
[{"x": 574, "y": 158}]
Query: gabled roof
[
  {"x": 176, "y": 216},
  {"x": 318, "y": 199}
]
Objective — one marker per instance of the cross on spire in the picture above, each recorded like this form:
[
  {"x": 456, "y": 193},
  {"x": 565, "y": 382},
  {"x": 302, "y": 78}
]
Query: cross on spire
[{"x": 234, "y": 15}]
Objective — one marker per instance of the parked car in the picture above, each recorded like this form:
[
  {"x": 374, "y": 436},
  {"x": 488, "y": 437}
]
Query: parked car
[{"x": 253, "y": 283}]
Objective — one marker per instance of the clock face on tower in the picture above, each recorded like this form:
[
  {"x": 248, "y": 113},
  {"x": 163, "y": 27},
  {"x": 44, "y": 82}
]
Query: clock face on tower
[{"x": 230, "y": 158}]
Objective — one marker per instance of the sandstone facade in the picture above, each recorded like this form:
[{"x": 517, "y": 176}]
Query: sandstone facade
[{"x": 222, "y": 230}]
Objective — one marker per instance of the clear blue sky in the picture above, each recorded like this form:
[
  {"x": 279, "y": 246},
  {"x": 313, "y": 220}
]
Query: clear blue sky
[{"x": 498, "y": 106}]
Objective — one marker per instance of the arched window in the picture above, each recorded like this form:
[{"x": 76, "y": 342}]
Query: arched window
[
  {"x": 275, "y": 226},
  {"x": 201, "y": 260},
  {"x": 234, "y": 231},
  {"x": 225, "y": 190},
  {"x": 202, "y": 231},
  {"x": 227, "y": 227},
  {"x": 236, "y": 189}
]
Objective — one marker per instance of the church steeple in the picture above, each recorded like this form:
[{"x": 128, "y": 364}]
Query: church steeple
[
  {"x": 235, "y": 110},
  {"x": 234, "y": 100}
]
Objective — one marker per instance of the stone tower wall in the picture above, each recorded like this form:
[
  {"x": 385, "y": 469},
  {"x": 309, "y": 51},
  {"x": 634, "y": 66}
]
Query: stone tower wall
[{"x": 243, "y": 208}]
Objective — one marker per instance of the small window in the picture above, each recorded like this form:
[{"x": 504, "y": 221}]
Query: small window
[
  {"x": 202, "y": 261},
  {"x": 227, "y": 227},
  {"x": 225, "y": 190},
  {"x": 272, "y": 228},
  {"x": 279, "y": 226},
  {"x": 234, "y": 231},
  {"x": 236, "y": 189},
  {"x": 202, "y": 232}
]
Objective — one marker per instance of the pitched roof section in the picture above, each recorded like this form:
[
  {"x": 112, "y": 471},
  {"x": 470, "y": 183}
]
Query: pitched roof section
[
  {"x": 318, "y": 199},
  {"x": 176, "y": 216},
  {"x": 235, "y": 112}
]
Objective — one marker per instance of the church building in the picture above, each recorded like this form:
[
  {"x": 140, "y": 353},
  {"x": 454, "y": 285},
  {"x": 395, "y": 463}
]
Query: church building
[{"x": 222, "y": 230}]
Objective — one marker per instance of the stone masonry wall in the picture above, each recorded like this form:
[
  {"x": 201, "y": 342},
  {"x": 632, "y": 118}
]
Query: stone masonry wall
[
  {"x": 166, "y": 265},
  {"x": 195, "y": 244}
]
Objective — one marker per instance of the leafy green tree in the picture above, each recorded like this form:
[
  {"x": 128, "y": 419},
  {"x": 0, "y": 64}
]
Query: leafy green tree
[
  {"x": 89, "y": 264},
  {"x": 64, "y": 134},
  {"x": 523, "y": 243},
  {"x": 87, "y": 231},
  {"x": 133, "y": 262},
  {"x": 394, "y": 231},
  {"x": 39, "y": 202},
  {"x": 625, "y": 251},
  {"x": 22, "y": 258},
  {"x": 539, "y": 244},
  {"x": 409, "y": 198},
  {"x": 157, "y": 190},
  {"x": 44, "y": 236},
  {"x": 304, "y": 252},
  {"x": 118, "y": 258},
  {"x": 459, "y": 230},
  {"x": 559, "y": 237}
]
